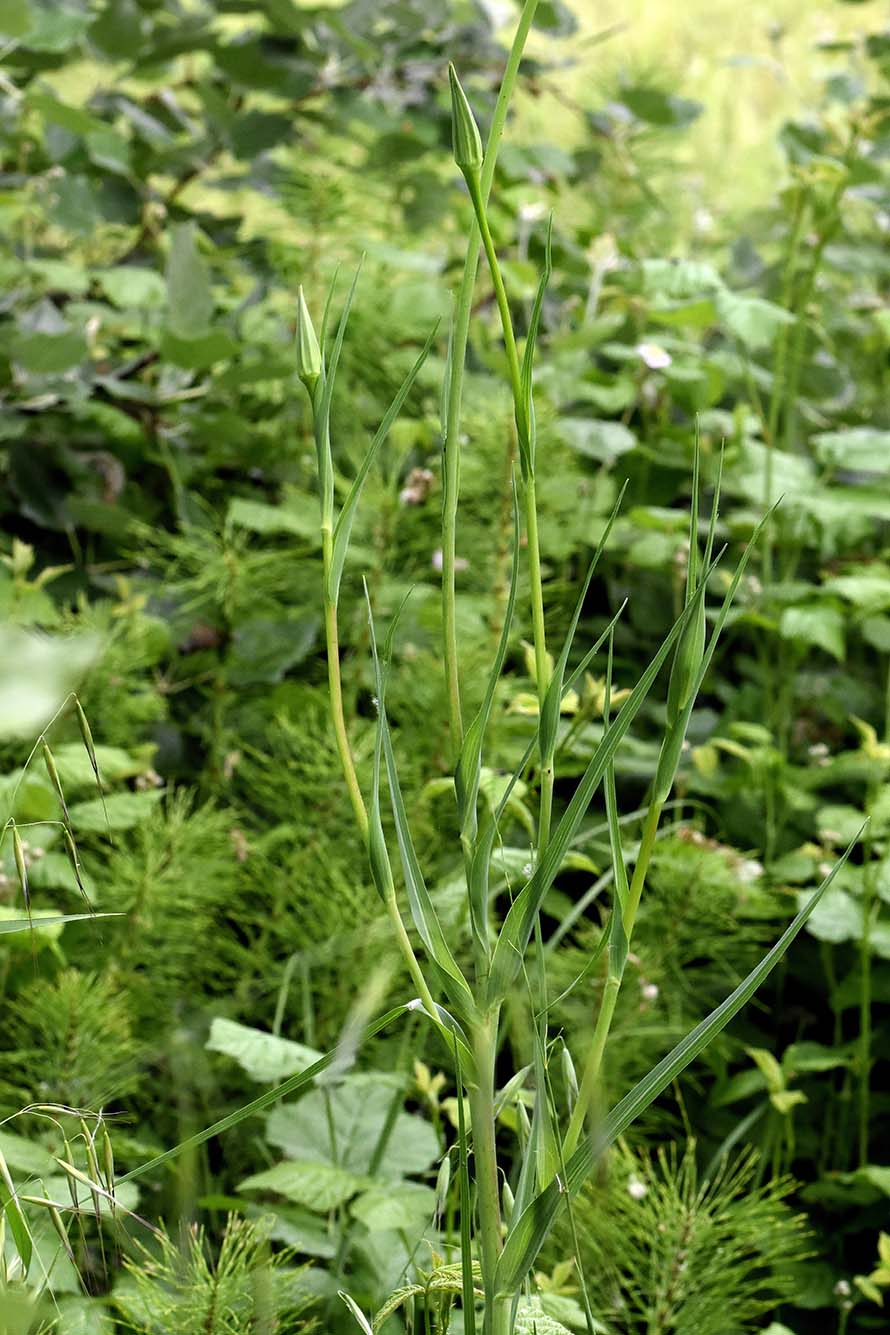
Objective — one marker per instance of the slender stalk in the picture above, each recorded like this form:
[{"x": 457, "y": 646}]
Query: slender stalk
[
  {"x": 593, "y": 1063},
  {"x": 347, "y": 762},
  {"x": 459, "y": 338},
  {"x": 485, "y": 1154},
  {"x": 403, "y": 941},
  {"x": 542, "y": 662},
  {"x": 335, "y": 691}
]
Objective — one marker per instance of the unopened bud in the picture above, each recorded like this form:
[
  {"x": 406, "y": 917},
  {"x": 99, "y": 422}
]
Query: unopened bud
[
  {"x": 308, "y": 351},
  {"x": 466, "y": 142}
]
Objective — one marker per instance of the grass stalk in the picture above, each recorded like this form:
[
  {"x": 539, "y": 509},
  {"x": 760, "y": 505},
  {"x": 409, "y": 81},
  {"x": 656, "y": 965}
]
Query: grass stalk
[
  {"x": 488, "y": 1196},
  {"x": 335, "y": 690},
  {"x": 454, "y": 393}
]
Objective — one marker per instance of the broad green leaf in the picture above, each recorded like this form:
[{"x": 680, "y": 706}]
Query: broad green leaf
[
  {"x": 404, "y": 1207},
  {"x": 260, "y": 517},
  {"x": 859, "y": 449},
  {"x": 16, "y": 17},
  {"x": 26, "y": 1155},
  {"x": 359, "y": 1111},
  {"x": 320, "y": 1186},
  {"x": 189, "y": 298},
  {"x": 118, "y": 811},
  {"x": 838, "y": 917},
  {"x": 49, "y": 354},
  {"x": 272, "y": 1096},
  {"x": 132, "y": 286},
  {"x": 755, "y": 322},
  {"x": 817, "y": 624},
  {"x": 200, "y": 351},
  {"x": 265, "y": 1057}
]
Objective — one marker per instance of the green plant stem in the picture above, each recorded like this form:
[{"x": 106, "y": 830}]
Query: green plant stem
[
  {"x": 459, "y": 338},
  {"x": 344, "y": 750},
  {"x": 542, "y": 662},
  {"x": 404, "y": 943},
  {"x": 335, "y": 691},
  {"x": 474, "y": 184},
  {"x": 584, "y": 1104},
  {"x": 542, "y": 665},
  {"x": 485, "y": 1155}
]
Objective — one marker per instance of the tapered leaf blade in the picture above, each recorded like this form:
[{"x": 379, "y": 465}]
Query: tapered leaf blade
[{"x": 532, "y": 1227}]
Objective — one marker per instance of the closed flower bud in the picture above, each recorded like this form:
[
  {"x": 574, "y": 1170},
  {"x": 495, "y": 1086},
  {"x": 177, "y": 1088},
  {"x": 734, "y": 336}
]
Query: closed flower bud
[
  {"x": 465, "y": 140},
  {"x": 687, "y": 662},
  {"x": 308, "y": 351}
]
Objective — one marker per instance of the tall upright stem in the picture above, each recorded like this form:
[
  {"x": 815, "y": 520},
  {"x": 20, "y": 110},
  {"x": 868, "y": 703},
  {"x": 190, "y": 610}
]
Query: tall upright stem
[
  {"x": 459, "y": 338},
  {"x": 335, "y": 692},
  {"x": 485, "y": 1155},
  {"x": 542, "y": 662},
  {"x": 347, "y": 763},
  {"x": 594, "y": 1060}
]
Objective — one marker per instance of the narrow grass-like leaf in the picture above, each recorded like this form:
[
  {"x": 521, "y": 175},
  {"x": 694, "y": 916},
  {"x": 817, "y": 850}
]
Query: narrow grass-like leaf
[
  {"x": 362, "y": 1320},
  {"x": 332, "y": 364},
  {"x": 469, "y": 765},
  {"x": 549, "y": 720},
  {"x": 669, "y": 758},
  {"x": 346, "y": 517},
  {"x": 589, "y": 966},
  {"x": 74, "y": 860},
  {"x": 18, "y": 1225},
  {"x": 423, "y": 911},
  {"x": 518, "y": 924},
  {"x": 479, "y": 870},
  {"x": 531, "y": 1228},
  {"x": 290, "y": 1086},
  {"x": 35, "y": 924},
  {"x": 326, "y": 315},
  {"x": 526, "y": 422}
]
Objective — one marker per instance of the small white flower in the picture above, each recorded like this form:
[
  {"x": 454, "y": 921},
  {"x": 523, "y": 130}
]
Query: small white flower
[
  {"x": 824, "y": 869},
  {"x": 703, "y": 220},
  {"x": 749, "y": 870},
  {"x": 817, "y": 750},
  {"x": 636, "y": 1189},
  {"x": 533, "y": 212},
  {"x": 649, "y": 991},
  {"x": 460, "y": 562},
  {"x": 651, "y": 355},
  {"x": 842, "y": 1289},
  {"x": 527, "y": 869}
]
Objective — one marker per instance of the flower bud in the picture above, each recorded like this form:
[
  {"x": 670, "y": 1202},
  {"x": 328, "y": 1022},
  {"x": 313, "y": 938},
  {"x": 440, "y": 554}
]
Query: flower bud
[
  {"x": 308, "y": 351},
  {"x": 465, "y": 140}
]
